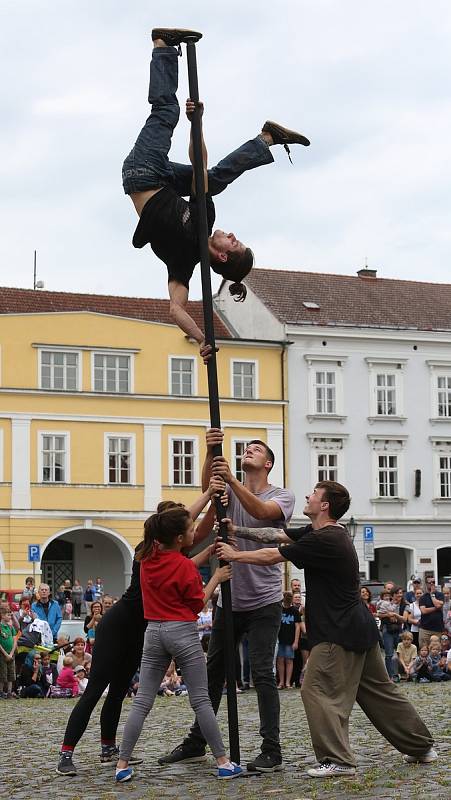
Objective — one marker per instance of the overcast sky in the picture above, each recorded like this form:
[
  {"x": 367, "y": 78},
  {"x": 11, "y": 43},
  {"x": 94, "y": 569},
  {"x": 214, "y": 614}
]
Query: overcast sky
[{"x": 367, "y": 82}]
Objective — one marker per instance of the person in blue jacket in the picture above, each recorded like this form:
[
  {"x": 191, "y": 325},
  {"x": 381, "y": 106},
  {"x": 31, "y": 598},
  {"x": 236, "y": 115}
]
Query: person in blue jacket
[{"x": 47, "y": 609}]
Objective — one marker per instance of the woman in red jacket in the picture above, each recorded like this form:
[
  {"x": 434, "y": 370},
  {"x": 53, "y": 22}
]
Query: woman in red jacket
[{"x": 173, "y": 596}]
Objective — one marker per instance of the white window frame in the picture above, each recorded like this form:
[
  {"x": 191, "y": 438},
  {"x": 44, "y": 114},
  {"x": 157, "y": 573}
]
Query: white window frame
[
  {"x": 65, "y": 350},
  {"x": 323, "y": 363},
  {"x": 256, "y": 392},
  {"x": 106, "y": 449},
  {"x": 195, "y": 440},
  {"x": 234, "y": 443},
  {"x": 388, "y": 446},
  {"x": 386, "y": 366},
  {"x": 193, "y": 360},
  {"x": 440, "y": 447},
  {"x": 67, "y": 476},
  {"x": 129, "y": 354},
  {"x": 326, "y": 444},
  {"x": 438, "y": 369}
]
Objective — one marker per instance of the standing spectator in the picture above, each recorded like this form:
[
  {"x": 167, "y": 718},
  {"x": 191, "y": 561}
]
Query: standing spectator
[
  {"x": 415, "y": 583},
  {"x": 91, "y": 622},
  {"x": 107, "y": 602},
  {"x": 8, "y": 644},
  {"x": 29, "y": 680},
  {"x": 295, "y": 585},
  {"x": 289, "y": 631},
  {"x": 98, "y": 589},
  {"x": 29, "y": 590},
  {"x": 391, "y": 612},
  {"x": 256, "y": 596},
  {"x": 405, "y": 655},
  {"x": 48, "y": 609},
  {"x": 25, "y": 615},
  {"x": 5, "y": 607},
  {"x": 366, "y": 596},
  {"x": 60, "y": 597},
  {"x": 89, "y": 595},
  {"x": 447, "y": 611},
  {"x": 298, "y": 654},
  {"x": 414, "y": 616},
  {"x": 77, "y": 598},
  {"x": 431, "y": 607}
]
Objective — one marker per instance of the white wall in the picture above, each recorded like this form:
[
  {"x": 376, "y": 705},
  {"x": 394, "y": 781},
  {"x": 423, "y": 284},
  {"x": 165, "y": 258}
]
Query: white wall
[{"x": 105, "y": 559}]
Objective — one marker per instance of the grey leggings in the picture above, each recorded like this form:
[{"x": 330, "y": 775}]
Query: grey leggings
[{"x": 164, "y": 641}]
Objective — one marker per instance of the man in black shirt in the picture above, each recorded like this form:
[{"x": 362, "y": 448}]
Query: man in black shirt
[
  {"x": 157, "y": 186},
  {"x": 345, "y": 663},
  {"x": 431, "y": 607}
]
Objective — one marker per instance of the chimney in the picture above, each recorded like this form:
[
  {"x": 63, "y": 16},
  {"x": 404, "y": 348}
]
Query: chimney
[{"x": 366, "y": 273}]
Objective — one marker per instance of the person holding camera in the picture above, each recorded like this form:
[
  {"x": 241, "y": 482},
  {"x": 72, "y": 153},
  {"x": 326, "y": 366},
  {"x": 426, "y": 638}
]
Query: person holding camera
[{"x": 431, "y": 605}]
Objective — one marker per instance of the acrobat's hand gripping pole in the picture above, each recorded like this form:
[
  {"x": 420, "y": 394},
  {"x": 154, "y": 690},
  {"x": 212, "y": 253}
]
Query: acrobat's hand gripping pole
[{"x": 213, "y": 389}]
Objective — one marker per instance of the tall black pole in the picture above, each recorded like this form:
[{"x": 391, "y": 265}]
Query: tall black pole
[{"x": 213, "y": 392}]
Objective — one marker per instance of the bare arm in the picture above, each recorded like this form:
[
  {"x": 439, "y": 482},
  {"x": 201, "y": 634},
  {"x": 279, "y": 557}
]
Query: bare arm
[
  {"x": 265, "y": 557},
  {"x": 213, "y": 436},
  {"x": 215, "y": 486},
  {"x": 190, "y": 108},
  {"x": 178, "y": 296},
  {"x": 201, "y": 558},
  {"x": 221, "y": 574},
  {"x": 260, "y": 509},
  {"x": 264, "y": 535}
]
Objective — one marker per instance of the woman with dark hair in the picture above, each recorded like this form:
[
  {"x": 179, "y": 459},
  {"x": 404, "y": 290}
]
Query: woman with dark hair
[
  {"x": 393, "y": 615},
  {"x": 121, "y": 631},
  {"x": 29, "y": 681},
  {"x": 91, "y": 622},
  {"x": 366, "y": 596}
]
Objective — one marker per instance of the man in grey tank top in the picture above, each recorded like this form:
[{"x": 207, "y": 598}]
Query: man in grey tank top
[{"x": 256, "y": 599}]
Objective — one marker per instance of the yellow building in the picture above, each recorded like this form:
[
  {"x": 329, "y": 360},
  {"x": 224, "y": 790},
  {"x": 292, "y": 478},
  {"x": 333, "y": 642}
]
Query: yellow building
[{"x": 103, "y": 412}]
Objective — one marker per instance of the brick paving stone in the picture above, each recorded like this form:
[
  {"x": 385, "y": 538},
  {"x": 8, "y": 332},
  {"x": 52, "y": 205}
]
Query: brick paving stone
[{"x": 31, "y": 733}]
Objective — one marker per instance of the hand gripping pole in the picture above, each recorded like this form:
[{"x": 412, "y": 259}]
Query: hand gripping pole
[{"x": 213, "y": 393}]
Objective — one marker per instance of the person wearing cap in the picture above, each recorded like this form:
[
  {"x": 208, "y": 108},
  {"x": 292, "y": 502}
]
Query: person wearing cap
[
  {"x": 416, "y": 584},
  {"x": 81, "y": 677},
  {"x": 157, "y": 187}
]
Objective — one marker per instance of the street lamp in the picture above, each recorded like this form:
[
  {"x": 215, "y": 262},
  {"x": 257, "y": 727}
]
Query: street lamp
[{"x": 352, "y": 527}]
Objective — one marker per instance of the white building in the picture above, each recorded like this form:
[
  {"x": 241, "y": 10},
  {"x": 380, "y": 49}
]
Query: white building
[{"x": 368, "y": 380}]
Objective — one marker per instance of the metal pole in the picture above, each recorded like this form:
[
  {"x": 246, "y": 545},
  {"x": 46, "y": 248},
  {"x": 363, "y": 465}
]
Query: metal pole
[{"x": 213, "y": 392}]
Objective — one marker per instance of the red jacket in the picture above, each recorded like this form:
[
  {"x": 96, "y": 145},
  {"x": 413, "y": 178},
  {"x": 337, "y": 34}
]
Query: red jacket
[
  {"x": 171, "y": 587},
  {"x": 67, "y": 680}
]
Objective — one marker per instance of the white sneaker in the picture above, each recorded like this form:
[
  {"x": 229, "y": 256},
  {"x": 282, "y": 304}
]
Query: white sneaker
[
  {"x": 426, "y": 758},
  {"x": 328, "y": 768}
]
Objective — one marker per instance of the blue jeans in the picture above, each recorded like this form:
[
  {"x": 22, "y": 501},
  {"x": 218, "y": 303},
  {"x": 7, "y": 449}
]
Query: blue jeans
[
  {"x": 148, "y": 167},
  {"x": 390, "y": 643}
]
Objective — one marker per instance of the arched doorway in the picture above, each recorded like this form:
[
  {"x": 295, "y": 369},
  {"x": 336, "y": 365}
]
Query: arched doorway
[
  {"x": 85, "y": 553},
  {"x": 443, "y": 564},
  {"x": 392, "y": 563}
]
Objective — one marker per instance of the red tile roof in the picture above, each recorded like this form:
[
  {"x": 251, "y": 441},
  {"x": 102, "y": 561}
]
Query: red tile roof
[
  {"x": 351, "y": 300},
  {"x": 29, "y": 301}
]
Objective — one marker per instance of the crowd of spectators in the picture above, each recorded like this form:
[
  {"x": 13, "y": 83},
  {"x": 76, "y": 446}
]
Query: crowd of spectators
[{"x": 415, "y": 636}]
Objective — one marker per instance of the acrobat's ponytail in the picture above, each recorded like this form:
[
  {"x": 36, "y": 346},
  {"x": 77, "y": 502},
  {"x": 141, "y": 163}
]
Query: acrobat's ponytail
[
  {"x": 163, "y": 527},
  {"x": 238, "y": 292}
]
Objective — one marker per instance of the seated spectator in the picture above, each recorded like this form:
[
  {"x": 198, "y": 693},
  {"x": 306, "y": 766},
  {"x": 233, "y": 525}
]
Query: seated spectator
[
  {"x": 445, "y": 643},
  {"x": 172, "y": 683},
  {"x": 406, "y": 653},
  {"x": 205, "y": 622},
  {"x": 76, "y": 597},
  {"x": 49, "y": 673},
  {"x": 421, "y": 668},
  {"x": 91, "y": 622},
  {"x": 8, "y": 645},
  {"x": 29, "y": 679},
  {"x": 366, "y": 596},
  {"x": 439, "y": 672},
  {"x": 448, "y": 662},
  {"x": 79, "y": 655},
  {"x": 66, "y": 678},
  {"x": 82, "y": 678},
  {"x": 29, "y": 590},
  {"x": 107, "y": 602},
  {"x": 288, "y": 638},
  {"x": 25, "y": 615},
  {"x": 47, "y": 609}
]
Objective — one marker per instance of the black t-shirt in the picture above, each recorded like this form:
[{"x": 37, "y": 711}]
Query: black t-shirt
[
  {"x": 169, "y": 224},
  {"x": 287, "y": 630},
  {"x": 334, "y": 610},
  {"x": 434, "y": 621}
]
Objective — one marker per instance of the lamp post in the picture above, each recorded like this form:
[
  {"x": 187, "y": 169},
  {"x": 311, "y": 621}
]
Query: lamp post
[{"x": 352, "y": 527}]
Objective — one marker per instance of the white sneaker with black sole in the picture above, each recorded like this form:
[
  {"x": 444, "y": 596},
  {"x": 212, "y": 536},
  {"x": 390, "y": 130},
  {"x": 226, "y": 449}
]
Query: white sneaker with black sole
[
  {"x": 427, "y": 758},
  {"x": 328, "y": 769}
]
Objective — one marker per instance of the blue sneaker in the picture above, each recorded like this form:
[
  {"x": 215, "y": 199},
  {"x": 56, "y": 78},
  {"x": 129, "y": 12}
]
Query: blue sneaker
[
  {"x": 229, "y": 771},
  {"x": 123, "y": 775}
]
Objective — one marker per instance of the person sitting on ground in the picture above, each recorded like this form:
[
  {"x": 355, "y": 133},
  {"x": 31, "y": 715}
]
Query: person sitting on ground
[
  {"x": 66, "y": 678},
  {"x": 406, "y": 653},
  {"x": 79, "y": 655},
  {"x": 107, "y": 602},
  {"x": 49, "y": 673},
  {"x": 8, "y": 645},
  {"x": 288, "y": 641},
  {"x": 47, "y": 609},
  {"x": 81, "y": 677},
  {"x": 421, "y": 668},
  {"x": 29, "y": 679},
  {"x": 439, "y": 672},
  {"x": 157, "y": 187},
  {"x": 445, "y": 644},
  {"x": 171, "y": 683}
]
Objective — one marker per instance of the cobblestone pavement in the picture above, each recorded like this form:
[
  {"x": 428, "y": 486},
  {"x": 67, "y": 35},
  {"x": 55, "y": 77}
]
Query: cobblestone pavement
[{"x": 31, "y": 733}]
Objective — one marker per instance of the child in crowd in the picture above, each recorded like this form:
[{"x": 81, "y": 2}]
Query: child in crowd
[
  {"x": 406, "y": 653},
  {"x": 29, "y": 590},
  {"x": 438, "y": 661},
  {"x": 81, "y": 678},
  {"x": 385, "y": 604},
  {"x": 8, "y": 644},
  {"x": 173, "y": 596},
  {"x": 172, "y": 683},
  {"x": 25, "y": 615},
  {"x": 289, "y": 632},
  {"x": 66, "y": 678},
  {"x": 49, "y": 673},
  {"x": 421, "y": 668}
]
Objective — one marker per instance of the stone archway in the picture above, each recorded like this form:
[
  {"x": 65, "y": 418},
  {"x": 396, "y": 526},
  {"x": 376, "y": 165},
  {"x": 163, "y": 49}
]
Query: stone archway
[
  {"x": 87, "y": 553},
  {"x": 392, "y": 562},
  {"x": 443, "y": 563}
]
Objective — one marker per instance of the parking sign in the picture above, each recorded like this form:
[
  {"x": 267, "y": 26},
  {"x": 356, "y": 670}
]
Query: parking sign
[{"x": 34, "y": 552}]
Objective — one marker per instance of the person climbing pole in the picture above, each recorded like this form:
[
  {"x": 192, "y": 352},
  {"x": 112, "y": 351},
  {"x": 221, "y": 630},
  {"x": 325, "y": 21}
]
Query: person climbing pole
[{"x": 157, "y": 186}]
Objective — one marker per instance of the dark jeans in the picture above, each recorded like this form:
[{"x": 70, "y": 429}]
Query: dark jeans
[
  {"x": 262, "y": 627},
  {"x": 147, "y": 166},
  {"x": 115, "y": 659},
  {"x": 390, "y": 644}
]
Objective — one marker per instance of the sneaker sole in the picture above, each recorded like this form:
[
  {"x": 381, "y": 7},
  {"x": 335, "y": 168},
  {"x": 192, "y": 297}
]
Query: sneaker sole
[
  {"x": 190, "y": 760},
  {"x": 331, "y": 774},
  {"x": 277, "y": 768},
  {"x": 66, "y": 774}
]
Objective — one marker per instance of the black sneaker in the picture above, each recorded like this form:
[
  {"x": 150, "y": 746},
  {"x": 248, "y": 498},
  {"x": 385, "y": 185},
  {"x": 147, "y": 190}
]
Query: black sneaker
[
  {"x": 265, "y": 762},
  {"x": 175, "y": 36},
  {"x": 183, "y": 752},
  {"x": 285, "y": 136},
  {"x": 65, "y": 765},
  {"x": 109, "y": 754}
]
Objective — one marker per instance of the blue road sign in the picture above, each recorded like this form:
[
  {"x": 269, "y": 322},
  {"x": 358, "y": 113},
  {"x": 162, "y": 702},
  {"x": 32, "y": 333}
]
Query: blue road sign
[
  {"x": 368, "y": 533},
  {"x": 34, "y": 552}
]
